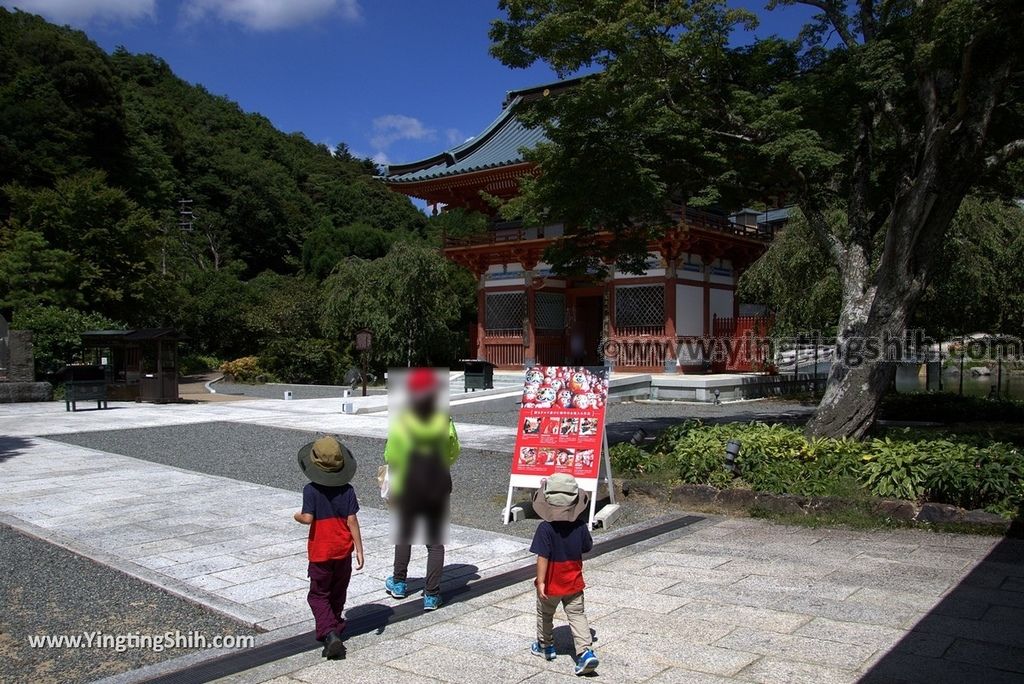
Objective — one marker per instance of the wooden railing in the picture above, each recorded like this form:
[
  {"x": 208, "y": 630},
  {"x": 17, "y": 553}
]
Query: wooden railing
[
  {"x": 504, "y": 354},
  {"x": 551, "y": 349},
  {"x": 742, "y": 334},
  {"x": 640, "y": 331},
  {"x": 513, "y": 231}
]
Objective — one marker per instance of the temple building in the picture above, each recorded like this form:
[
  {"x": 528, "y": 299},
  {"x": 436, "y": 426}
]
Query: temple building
[{"x": 527, "y": 313}]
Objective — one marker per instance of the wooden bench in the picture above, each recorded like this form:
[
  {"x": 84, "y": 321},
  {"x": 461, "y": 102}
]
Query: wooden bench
[{"x": 85, "y": 390}]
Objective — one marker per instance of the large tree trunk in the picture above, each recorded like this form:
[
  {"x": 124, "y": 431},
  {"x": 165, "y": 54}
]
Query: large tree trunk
[{"x": 873, "y": 314}]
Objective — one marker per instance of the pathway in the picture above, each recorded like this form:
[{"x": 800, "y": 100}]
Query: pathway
[
  {"x": 731, "y": 601},
  {"x": 229, "y": 545}
]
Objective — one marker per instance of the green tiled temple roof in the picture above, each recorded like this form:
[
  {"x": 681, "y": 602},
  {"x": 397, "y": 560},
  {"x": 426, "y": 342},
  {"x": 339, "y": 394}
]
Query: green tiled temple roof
[{"x": 500, "y": 144}]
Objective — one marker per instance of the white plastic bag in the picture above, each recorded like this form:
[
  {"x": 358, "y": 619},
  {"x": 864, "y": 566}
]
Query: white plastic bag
[{"x": 384, "y": 480}]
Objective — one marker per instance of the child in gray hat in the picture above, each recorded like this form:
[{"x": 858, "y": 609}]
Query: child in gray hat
[{"x": 560, "y": 542}]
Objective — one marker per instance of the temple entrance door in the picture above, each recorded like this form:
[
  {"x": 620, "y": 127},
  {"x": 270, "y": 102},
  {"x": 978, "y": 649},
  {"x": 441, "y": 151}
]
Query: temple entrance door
[{"x": 585, "y": 336}]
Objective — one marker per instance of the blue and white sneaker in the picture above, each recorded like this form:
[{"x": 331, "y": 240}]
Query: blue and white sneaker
[
  {"x": 395, "y": 588},
  {"x": 586, "y": 663},
  {"x": 431, "y": 602},
  {"x": 545, "y": 652}
]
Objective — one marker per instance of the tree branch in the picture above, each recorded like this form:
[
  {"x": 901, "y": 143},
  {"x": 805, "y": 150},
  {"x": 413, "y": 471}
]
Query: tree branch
[
  {"x": 819, "y": 224},
  {"x": 835, "y": 17},
  {"x": 1005, "y": 154}
]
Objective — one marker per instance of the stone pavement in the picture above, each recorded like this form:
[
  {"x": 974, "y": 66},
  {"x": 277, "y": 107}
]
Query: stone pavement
[
  {"x": 732, "y": 600},
  {"x": 316, "y": 415},
  {"x": 227, "y": 544},
  {"x": 725, "y": 600}
]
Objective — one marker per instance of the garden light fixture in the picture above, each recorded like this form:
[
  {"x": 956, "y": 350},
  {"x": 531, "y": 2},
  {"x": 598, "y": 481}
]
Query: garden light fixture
[{"x": 732, "y": 450}]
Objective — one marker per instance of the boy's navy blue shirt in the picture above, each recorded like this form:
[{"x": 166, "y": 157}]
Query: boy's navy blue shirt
[
  {"x": 329, "y": 536},
  {"x": 563, "y": 544}
]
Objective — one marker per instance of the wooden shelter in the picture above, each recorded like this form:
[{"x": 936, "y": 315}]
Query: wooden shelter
[{"x": 140, "y": 365}]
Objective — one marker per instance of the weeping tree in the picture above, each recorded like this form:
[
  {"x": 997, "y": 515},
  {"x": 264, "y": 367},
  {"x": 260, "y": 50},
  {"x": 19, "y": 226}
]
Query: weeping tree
[{"x": 876, "y": 121}]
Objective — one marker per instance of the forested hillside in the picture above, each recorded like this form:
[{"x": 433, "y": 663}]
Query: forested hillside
[{"x": 96, "y": 152}]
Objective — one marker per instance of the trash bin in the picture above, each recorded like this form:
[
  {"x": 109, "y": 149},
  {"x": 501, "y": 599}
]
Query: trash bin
[{"x": 479, "y": 374}]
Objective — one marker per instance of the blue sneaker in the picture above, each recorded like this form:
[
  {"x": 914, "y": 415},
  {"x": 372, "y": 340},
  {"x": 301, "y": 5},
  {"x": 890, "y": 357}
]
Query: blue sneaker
[
  {"x": 545, "y": 652},
  {"x": 396, "y": 589},
  {"x": 586, "y": 663},
  {"x": 431, "y": 602}
]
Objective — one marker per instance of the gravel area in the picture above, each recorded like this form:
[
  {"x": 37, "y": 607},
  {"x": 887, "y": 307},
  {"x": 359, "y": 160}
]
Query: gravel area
[
  {"x": 623, "y": 418},
  {"x": 266, "y": 455},
  {"x": 276, "y": 391},
  {"x": 46, "y": 590}
]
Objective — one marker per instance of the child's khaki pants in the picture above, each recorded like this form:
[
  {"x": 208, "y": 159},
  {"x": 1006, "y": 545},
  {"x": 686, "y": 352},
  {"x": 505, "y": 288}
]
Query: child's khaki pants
[{"x": 573, "y": 606}]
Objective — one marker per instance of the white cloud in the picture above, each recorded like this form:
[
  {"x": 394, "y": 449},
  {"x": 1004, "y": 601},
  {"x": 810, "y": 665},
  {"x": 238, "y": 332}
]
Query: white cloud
[
  {"x": 269, "y": 15},
  {"x": 394, "y": 127},
  {"x": 84, "y": 11},
  {"x": 454, "y": 136}
]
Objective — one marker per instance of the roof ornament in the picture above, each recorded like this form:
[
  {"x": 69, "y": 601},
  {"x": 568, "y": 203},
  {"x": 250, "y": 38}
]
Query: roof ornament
[{"x": 449, "y": 159}]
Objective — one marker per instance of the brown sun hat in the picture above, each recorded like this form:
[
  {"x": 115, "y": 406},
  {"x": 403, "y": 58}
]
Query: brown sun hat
[
  {"x": 327, "y": 462},
  {"x": 560, "y": 499}
]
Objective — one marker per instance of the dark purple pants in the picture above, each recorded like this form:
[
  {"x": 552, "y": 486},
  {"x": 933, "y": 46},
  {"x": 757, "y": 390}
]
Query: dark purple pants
[{"x": 328, "y": 587}]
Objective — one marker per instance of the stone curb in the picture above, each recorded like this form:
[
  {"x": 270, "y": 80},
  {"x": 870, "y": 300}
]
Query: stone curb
[{"x": 700, "y": 497}]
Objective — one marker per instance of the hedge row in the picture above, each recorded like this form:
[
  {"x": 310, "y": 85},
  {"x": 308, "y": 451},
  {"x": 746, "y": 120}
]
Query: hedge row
[
  {"x": 969, "y": 472},
  {"x": 946, "y": 407}
]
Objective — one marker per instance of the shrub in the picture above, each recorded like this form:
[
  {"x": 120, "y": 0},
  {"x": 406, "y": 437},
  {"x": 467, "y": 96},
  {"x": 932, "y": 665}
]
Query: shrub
[
  {"x": 969, "y": 472},
  {"x": 303, "y": 361},
  {"x": 56, "y": 333},
  {"x": 193, "y": 364},
  {"x": 945, "y": 407},
  {"x": 246, "y": 369}
]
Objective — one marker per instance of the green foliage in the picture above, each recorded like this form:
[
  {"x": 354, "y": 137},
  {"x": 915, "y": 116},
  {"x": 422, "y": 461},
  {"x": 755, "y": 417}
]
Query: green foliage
[
  {"x": 56, "y": 333},
  {"x": 194, "y": 364},
  {"x": 797, "y": 280},
  {"x": 945, "y": 407},
  {"x": 107, "y": 233},
  {"x": 246, "y": 369},
  {"x": 410, "y": 299},
  {"x": 96, "y": 149},
  {"x": 31, "y": 272},
  {"x": 978, "y": 283},
  {"x": 968, "y": 472},
  {"x": 327, "y": 245},
  {"x": 304, "y": 361}
]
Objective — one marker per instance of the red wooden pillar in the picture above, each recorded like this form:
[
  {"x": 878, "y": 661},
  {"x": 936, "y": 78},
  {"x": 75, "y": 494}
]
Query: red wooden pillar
[
  {"x": 530, "y": 324},
  {"x": 670, "y": 312},
  {"x": 479, "y": 269},
  {"x": 670, "y": 299},
  {"x": 706, "y": 269}
]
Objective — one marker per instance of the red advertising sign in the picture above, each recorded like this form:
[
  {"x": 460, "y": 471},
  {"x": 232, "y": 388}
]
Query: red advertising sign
[{"x": 561, "y": 422}]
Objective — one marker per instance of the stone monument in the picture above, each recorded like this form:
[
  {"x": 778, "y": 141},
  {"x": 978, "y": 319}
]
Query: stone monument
[{"x": 17, "y": 368}]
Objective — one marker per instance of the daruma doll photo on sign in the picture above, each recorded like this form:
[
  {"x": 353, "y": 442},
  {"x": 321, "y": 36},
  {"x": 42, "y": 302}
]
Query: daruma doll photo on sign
[{"x": 561, "y": 422}]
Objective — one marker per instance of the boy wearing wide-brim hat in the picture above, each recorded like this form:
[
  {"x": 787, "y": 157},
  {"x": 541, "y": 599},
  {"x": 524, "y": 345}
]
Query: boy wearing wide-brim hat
[
  {"x": 329, "y": 507},
  {"x": 560, "y": 542}
]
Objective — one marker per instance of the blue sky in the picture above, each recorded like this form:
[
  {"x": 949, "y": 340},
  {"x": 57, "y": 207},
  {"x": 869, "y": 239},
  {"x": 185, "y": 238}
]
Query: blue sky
[{"x": 396, "y": 80}]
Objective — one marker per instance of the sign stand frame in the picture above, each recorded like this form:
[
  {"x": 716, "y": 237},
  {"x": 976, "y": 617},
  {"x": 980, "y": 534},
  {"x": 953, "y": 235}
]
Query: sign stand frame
[{"x": 589, "y": 484}]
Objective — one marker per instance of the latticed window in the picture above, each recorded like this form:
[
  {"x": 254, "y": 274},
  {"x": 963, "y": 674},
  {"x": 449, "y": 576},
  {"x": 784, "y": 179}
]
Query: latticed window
[
  {"x": 550, "y": 311},
  {"x": 504, "y": 313},
  {"x": 640, "y": 308}
]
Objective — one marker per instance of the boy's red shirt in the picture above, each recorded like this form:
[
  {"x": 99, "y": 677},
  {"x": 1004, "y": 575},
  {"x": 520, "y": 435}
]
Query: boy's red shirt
[
  {"x": 563, "y": 544},
  {"x": 329, "y": 536}
]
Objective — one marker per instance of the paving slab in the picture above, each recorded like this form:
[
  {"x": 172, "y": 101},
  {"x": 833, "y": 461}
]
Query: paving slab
[
  {"x": 716, "y": 627},
  {"x": 226, "y": 544}
]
